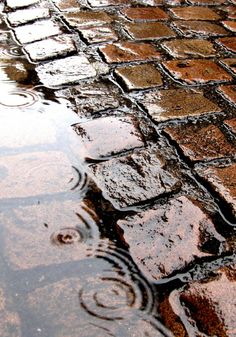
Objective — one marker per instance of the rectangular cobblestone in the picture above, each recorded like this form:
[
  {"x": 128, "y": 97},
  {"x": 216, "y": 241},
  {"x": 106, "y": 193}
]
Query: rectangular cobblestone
[
  {"x": 23, "y": 16},
  {"x": 98, "y": 34},
  {"x": 197, "y": 71},
  {"x": 231, "y": 25},
  {"x": 169, "y": 104},
  {"x": 149, "y": 30},
  {"x": 168, "y": 238},
  {"x": 201, "y": 143},
  {"x": 67, "y": 5},
  {"x": 80, "y": 19},
  {"x": 228, "y": 92},
  {"x": 189, "y": 48},
  {"x": 194, "y": 13},
  {"x": 229, "y": 43},
  {"x": 15, "y": 4},
  {"x": 144, "y": 14},
  {"x": 129, "y": 180},
  {"x": 194, "y": 28}
]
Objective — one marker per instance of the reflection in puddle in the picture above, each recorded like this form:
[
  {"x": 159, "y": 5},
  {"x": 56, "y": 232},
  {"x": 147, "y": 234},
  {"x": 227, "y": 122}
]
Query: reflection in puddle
[{"x": 18, "y": 98}]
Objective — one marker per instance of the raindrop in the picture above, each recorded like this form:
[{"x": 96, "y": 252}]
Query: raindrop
[
  {"x": 12, "y": 51},
  {"x": 81, "y": 180},
  {"x": 18, "y": 98},
  {"x": 67, "y": 236}
]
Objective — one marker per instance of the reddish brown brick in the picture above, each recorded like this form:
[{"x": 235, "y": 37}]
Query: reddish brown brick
[
  {"x": 194, "y": 13},
  {"x": 149, "y": 30},
  {"x": 189, "y": 48},
  {"x": 230, "y": 63},
  {"x": 144, "y": 14},
  {"x": 207, "y": 2},
  {"x": 129, "y": 51},
  {"x": 201, "y": 143},
  {"x": 141, "y": 76},
  {"x": 80, "y": 19},
  {"x": 167, "y": 238},
  {"x": 204, "y": 28},
  {"x": 231, "y": 12},
  {"x": 197, "y": 71},
  {"x": 231, "y": 25},
  {"x": 223, "y": 181},
  {"x": 96, "y": 136},
  {"x": 67, "y": 5},
  {"x": 164, "y": 105},
  {"x": 228, "y": 92},
  {"x": 98, "y": 34},
  {"x": 229, "y": 43},
  {"x": 231, "y": 124}
]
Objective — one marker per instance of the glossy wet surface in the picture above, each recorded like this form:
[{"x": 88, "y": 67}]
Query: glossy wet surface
[{"x": 117, "y": 169}]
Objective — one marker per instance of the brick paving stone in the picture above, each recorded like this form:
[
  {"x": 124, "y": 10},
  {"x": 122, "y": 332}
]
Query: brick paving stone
[
  {"x": 189, "y": 48},
  {"x": 80, "y": 19},
  {"x": 230, "y": 63},
  {"x": 45, "y": 228},
  {"x": 41, "y": 171},
  {"x": 129, "y": 180},
  {"x": 65, "y": 71},
  {"x": 39, "y": 30},
  {"x": 15, "y": 4},
  {"x": 95, "y": 97},
  {"x": 140, "y": 76},
  {"x": 223, "y": 181},
  {"x": 144, "y": 14},
  {"x": 205, "y": 307},
  {"x": 197, "y": 71},
  {"x": 129, "y": 51},
  {"x": 56, "y": 46},
  {"x": 98, "y": 34},
  {"x": 207, "y": 2},
  {"x": 229, "y": 43},
  {"x": 201, "y": 143},
  {"x": 231, "y": 12},
  {"x": 96, "y": 136},
  {"x": 67, "y": 5},
  {"x": 231, "y": 25},
  {"x": 228, "y": 92},
  {"x": 149, "y": 30},
  {"x": 27, "y": 15},
  {"x": 231, "y": 124},
  {"x": 196, "y": 28},
  {"x": 194, "y": 13},
  {"x": 170, "y": 104},
  {"x": 168, "y": 238},
  {"x": 104, "y": 3}
]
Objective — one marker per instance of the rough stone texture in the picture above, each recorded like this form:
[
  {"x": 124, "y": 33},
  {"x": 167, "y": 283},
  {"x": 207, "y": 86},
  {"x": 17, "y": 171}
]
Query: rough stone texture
[
  {"x": 194, "y": 13},
  {"x": 231, "y": 124},
  {"x": 203, "y": 28},
  {"x": 37, "y": 31},
  {"x": 15, "y": 4},
  {"x": 49, "y": 48},
  {"x": 189, "y": 48},
  {"x": 197, "y": 71},
  {"x": 96, "y": 136},
  {"x": 230, "y": 63},
  {"x": 166, "y": 239},
  {"x": 207, "y": 2},
  {"x": 223, "y": 181},
  {"x": 149, "y": 30},
  {"x": 201, "y": 143},
  {"x": 80, "y": 19},
  {"x": 98, "y": 34},
  {"x": 169, "y": 104},
  {"x": 228, "y": 92},
  {"x": 65, "y": 71},
  {"x": 67, "y": 5},
  {"x": 41, "y": 171},
  {"x": 129, "y": 51},
  {"x": 55, "y": 232},
  {"x": 144, "y": 14},
  {"x": 105, "y": 3},
  {"x": 127, "y": 181},
  {"x": 141, "y": 76},
  {"x": 231, "y": 12},
  {"x": 27, "y": 15},
  {"x": 231, "y": 25},
  {"x": 229, "y": 43}
]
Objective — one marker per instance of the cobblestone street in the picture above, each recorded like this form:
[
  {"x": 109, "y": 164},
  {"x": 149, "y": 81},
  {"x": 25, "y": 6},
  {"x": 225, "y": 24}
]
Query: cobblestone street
[{"x": 144, "y": 241}]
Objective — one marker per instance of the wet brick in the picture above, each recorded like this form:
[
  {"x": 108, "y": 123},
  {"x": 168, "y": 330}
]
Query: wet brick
[
  {"x": 129, "y": 51},
  {"x": 231, "y": 12},
  {"x": 207, "y": 2},
  {"x": 37, "y": 31},
  {"x": 201, "y": 143},
  {"x": 197, "y": 71},
  {"x": 164, "y": 105},
  {"x": 80, "y": 19},
  {"x": 98, "y": 34},
  {"x": 104, "y": 3},
  {"x": 230, "y": 63},
  {"x": 141, "y": 76},
  {"x": 204, "y": 28},
  {"x": 129, "y": 180},
  {"x": 231, "y": 124},
  {"x": 15, "y": 4},
  {"x": 23, "y": 16},
  {"x": 41, "y": 171},
  {"x": 65, "y": 71},
  {"x": 144, "y": 14},
  {"x": 149, "y": 30},
  {"x": 168, "y": 238},
  {"x": 229, "y": 43},
  {"x": 189, "y": 48},
  {"x": 67, "y": 5},
  {"x": 231, "y": 25},
  {"x": 228, "y": 92},
  {"x": 194, "y": 13},
  {"x": 223, "y": 181},
  {"x": 96, "y": 136},
  {"x": 45, "y": 228},
  {"x": 205, "y": 307}
]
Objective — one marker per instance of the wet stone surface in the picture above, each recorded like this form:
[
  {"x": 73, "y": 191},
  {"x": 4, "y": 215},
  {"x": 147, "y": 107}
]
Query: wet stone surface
[
  {"x": 204, "y": 28},
  {"x": 229, "y": 92},
  {"x": 149, "y": 30},
  {"x": 23, "y": 16},
  {"x": 14, "y": 4},
  {"x": 229, "y": 43},
  {"x": 98, "y": 34},
  {"x": 230, "y": 63},
  {"x": 127, "y": 180},
  {"x": 195, "y": 13},
  {"x": 79, "y": 19},
  {"x": 145, "y": 14},
  {"x": 231, "y": 124},
  {"x": 67, "y": 5},
  {"x": 231, "y": 25}
]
